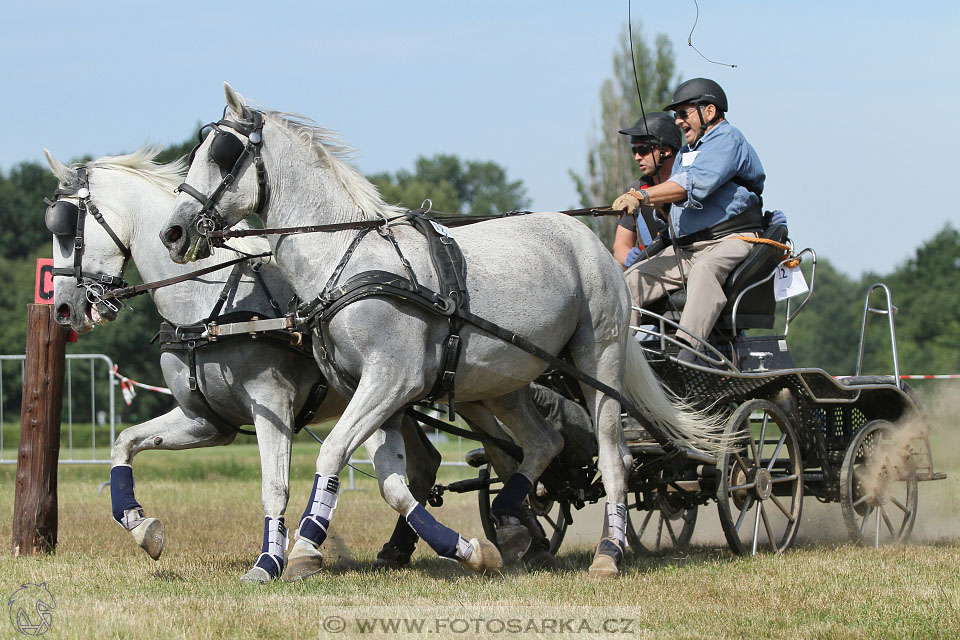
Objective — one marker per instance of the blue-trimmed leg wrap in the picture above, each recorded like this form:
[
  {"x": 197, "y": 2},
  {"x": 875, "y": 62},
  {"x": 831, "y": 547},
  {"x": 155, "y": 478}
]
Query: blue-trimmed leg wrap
[
  {"x": 121, "y": 492},
  {"x": 608, "y": 547},
  {"x": 614, "y": 531},
  {"x": 445, "y": 541},
  {"x": 274, "y": 551},
  {"x": 507, "y": 502},
  {"x": 404, "y": 537},
  {"x": 319, "y": 511}
]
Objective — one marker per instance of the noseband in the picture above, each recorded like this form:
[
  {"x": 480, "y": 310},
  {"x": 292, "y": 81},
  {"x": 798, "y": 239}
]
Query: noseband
[
  {"x": 63, "y": 219},
  {"x": 229, "y": 154}
]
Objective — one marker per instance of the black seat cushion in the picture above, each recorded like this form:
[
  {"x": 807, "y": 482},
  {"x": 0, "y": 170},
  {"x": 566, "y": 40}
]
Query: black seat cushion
[{"x": 757, "y": 309}]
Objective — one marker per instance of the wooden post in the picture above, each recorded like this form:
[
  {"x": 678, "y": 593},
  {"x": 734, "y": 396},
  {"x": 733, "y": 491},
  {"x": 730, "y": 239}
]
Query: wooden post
[{"x": 35, "y": 500}]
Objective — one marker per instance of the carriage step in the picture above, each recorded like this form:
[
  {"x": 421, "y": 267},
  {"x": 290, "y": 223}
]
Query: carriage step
[{"x": 936, "y": 475}]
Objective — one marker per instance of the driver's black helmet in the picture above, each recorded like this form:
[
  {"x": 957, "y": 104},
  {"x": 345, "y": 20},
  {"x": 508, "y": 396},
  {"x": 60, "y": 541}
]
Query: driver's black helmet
[
  {"x": 657, "y": 127},
  {"x": 699, "y": 91}
]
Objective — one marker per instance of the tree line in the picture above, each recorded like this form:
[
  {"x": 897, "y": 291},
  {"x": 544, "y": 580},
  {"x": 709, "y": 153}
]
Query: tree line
[{"x": 825, "y": 335}]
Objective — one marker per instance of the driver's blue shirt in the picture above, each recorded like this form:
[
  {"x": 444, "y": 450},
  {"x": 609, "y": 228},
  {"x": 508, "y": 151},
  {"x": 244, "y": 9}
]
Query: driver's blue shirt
[{"x": 706, "y": 171}]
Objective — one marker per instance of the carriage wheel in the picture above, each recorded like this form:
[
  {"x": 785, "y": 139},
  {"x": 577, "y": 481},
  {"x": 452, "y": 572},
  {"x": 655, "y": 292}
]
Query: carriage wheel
[
  {"x": 878, "y": 486},
  {"x": 760, "y": 492},
  {"x": 666, "y": 526},
  {"x": 549, "y": 513}
]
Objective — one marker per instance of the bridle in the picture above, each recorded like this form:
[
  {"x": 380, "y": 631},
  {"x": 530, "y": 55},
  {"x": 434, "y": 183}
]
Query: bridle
[
  {"x": 64, "y": 219},
  {"x": 229, "y": 153}
]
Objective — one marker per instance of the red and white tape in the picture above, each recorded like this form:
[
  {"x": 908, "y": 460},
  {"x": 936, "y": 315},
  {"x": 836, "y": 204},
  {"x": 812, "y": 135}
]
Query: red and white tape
[
  {"x": 128, "y": 387},
  {"x": 931, "y": 377}
]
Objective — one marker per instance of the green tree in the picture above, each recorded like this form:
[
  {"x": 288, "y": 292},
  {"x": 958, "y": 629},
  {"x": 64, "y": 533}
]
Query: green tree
[
  {"x": 454, "y": 186},
  {"x": 22, "y": 192},
  {"x": 610, "y": 167}
]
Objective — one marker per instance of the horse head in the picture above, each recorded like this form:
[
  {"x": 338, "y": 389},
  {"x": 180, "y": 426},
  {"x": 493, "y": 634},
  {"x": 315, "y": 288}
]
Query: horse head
[
  {"x": 89, "y": 258},
  {"x": 226, "y": 182}
]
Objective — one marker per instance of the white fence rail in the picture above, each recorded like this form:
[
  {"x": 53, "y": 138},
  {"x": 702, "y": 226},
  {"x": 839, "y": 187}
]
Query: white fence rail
[{"x": 102, "y": 415}]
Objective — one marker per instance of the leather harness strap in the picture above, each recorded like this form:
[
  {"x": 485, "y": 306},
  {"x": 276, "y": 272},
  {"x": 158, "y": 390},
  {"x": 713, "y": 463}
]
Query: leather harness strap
[{"x": 319, "y": 312}]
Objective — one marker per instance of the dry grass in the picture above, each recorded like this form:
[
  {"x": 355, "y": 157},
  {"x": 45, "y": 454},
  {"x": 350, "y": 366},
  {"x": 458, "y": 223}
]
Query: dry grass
[{"x": 106, "y": 587}]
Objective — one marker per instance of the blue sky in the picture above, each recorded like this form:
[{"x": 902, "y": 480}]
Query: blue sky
[{"x": 829, "y": 93}]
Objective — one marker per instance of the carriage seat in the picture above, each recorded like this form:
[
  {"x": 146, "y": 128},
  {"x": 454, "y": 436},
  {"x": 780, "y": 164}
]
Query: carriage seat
[{"x": 757, "y": 309}]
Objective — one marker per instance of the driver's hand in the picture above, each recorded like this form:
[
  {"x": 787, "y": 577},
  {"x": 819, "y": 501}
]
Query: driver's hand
[{"x": 627, "y": 201}]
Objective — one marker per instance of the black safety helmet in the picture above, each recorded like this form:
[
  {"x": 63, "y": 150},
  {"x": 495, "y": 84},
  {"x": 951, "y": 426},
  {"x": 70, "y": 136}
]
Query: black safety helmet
[
  {"x": 657, "y": 127},
  {"x": 699, "y": 91}
]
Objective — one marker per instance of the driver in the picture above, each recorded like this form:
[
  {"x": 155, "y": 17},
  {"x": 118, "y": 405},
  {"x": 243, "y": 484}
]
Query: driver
[{"x": 715, "y": 190}]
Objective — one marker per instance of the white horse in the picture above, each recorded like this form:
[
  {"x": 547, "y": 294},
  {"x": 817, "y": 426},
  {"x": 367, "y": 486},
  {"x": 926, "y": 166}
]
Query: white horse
[
  {"x": 544, "y": 276},
  {"x": 242, "y": 381}
]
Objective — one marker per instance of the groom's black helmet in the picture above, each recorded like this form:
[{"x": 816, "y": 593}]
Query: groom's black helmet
[{"x": 658, "y": 128}]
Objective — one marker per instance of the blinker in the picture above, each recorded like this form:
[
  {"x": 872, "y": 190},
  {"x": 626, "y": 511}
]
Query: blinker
[
  {"x": 226, "y": 150},
  {"x": 61, "y": 218}
]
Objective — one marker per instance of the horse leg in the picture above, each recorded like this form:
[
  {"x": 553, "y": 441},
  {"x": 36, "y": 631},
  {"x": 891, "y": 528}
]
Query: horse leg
[
  {"x": 373, "y": 403},
  {"x": 385, "y": 448},
  {"x": 540, "y": 443},
  {"x": 613, "y": 459},
  {"x": 422, "y": 475},
  {"x": 274, "y": 427},
  {"x": 537, "y": 556},
  {"x": 173, "y": 430}
]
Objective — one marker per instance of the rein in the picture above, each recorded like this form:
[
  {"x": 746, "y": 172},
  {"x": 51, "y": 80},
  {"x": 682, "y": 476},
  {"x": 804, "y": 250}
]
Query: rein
[
  {"x": 129, "y": 292},
  {"x": 446, "y": 219}
]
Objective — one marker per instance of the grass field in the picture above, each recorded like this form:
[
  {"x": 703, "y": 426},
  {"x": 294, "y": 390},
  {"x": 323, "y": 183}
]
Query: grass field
[{"x": 106, "y": 587}]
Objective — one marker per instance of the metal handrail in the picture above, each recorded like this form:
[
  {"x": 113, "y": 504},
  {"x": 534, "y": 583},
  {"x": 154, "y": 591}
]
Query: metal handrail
[{"x": 889, "y": 311}]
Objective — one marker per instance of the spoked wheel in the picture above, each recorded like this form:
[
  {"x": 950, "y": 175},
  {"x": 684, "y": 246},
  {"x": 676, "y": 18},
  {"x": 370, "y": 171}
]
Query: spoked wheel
[
  {"x": 760, "y": 492},
  {"x": 666, "y": 526},
  {"x": 878, "y": 486},
  {"x": 548, "y": 514}
]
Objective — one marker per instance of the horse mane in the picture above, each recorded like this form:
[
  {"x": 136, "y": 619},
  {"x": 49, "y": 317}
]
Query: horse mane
[
  {"x": 142, "y": 163},
  {"x": 335, "y": 155}
]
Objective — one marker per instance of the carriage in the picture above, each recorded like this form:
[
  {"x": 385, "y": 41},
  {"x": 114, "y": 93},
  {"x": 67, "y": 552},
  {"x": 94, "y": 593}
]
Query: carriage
[{"x": 862, "y": 441}]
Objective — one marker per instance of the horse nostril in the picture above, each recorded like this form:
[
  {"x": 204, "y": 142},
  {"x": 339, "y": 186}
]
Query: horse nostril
[
  {"x": 64, "y": 312},
  {"x": 174, "y": 233}
]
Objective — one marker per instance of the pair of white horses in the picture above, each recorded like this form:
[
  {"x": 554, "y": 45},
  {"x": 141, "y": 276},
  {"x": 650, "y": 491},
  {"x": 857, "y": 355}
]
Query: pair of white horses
[{"x": 544, "y": 276}]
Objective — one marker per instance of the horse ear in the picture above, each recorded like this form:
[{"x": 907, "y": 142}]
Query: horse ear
[
  {"x": 64, "y": 174},
  {"x": 235, "y": 102}
]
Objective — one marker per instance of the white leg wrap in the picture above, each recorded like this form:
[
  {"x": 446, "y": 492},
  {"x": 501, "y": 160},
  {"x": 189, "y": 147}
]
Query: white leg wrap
[
  {"x": 464, "y": 548},
  {"x": 277, "y": 539},
  {"x": 131, "y": 518},
  {"x": 325, "y": 499},
  {"x": 616, "y": 516}
]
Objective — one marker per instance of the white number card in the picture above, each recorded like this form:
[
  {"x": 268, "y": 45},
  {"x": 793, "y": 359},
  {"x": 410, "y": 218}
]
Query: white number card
[{"x": 788, "y": 282}]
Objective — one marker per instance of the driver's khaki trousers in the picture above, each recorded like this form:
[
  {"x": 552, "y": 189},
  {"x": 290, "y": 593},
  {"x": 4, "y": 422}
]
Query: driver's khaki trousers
[{"x": 706, "y": 266}]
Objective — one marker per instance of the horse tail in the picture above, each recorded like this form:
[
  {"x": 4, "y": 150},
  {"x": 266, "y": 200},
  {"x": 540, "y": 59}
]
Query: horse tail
[{"x": 700, "y": 429}]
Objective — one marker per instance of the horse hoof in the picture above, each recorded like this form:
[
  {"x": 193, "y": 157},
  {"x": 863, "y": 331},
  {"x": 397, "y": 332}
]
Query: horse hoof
[
  {"x": 483, "y": 557},
  {"x": 392, "y": 557},
  {"x": 305, "y": 560},
  {"x": 149, "y": 535},
  {"x": 603, "y": 567},
  {"x": 606, "y": 559},
  {"x": 536, "y": 560},
  {"x": 514, "y": 541},
  {"x": 256, "y": 576}
]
